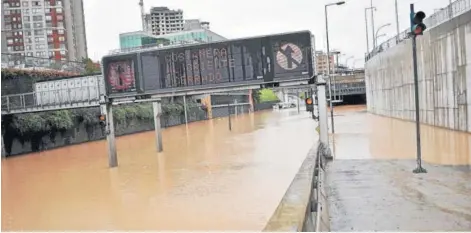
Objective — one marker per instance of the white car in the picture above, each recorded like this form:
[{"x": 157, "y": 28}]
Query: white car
[{"x": 285, "y": 105}]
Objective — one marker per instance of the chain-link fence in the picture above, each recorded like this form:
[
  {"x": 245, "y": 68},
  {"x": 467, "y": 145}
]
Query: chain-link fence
[{"x": 454, "y": 9}]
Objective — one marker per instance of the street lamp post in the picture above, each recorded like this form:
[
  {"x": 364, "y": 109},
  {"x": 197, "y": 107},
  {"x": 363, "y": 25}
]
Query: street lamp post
[
  {"x": 366, "y": 26},
  {"x": 378, "y": 36},
  {"x": 377, "y": 31},
  {"x": 397, "y": 19},
  {"x": 372, "y": 23},
  {"x": 328, "y": 62}
]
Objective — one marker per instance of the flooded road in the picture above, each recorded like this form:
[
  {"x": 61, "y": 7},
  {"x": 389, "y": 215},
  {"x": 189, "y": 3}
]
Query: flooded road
[
  {"x": 370, "y": 184},
  {"x": 207, "y": 178},
  {"x": 377, "y": 137}
]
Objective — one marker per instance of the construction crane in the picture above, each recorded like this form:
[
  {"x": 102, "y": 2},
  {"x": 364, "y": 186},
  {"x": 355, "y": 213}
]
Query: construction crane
[{"x": 143, "y": 15}]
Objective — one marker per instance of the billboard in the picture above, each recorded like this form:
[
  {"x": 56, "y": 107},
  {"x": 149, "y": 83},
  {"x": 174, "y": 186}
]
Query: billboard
[{"x": 220, "y": 64}]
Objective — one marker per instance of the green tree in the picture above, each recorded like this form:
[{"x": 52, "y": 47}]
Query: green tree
[{"x": 90, "y": 66}]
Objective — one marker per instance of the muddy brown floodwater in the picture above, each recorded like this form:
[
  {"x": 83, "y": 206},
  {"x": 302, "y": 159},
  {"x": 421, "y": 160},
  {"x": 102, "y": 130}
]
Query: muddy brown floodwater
[
  {"x": 377, "y": 137},
  {"x": 207, "y": 178},
  {"x": 370, "y": 184}
]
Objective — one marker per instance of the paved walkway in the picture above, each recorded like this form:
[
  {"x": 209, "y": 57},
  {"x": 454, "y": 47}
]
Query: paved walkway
[{"x": 371, "y": 186}]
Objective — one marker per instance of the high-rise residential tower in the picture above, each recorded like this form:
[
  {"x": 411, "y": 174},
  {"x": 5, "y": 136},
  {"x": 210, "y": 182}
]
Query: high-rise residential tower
[{"x": 53, "y": 29}]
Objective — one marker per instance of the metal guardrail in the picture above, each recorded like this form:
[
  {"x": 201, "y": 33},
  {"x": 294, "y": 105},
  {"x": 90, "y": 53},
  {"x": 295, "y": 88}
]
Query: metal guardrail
[
  {"x": 454, "y": 9},
  {"x": 39, "y": 63},
  {"x": 79, "y": 97}
]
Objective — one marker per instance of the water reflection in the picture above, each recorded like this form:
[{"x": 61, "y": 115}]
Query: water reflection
[
  {"x": 360, "y": 135},
  {"x": 207, "y": 178}
]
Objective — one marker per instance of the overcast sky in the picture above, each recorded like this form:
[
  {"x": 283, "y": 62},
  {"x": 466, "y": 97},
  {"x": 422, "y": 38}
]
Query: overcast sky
[{"x": 105, "y": 19}]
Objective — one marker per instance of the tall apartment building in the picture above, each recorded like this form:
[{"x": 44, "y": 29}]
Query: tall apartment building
[
  {"x": 165, "y": 21},
  {"x": 53, "y": 29}
]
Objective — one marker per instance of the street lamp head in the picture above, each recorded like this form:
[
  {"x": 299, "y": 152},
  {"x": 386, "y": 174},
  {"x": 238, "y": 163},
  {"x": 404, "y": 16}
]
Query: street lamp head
[{"x": 340, "y": 3}]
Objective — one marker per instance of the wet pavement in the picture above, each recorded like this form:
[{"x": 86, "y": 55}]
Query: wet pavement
[
  {"x": 207, "y": 178},
  {"x": 370, "y": 184}
]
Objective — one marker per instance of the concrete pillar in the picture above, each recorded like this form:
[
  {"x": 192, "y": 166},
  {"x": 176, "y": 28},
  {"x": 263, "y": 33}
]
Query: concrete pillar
[
  {"x": 186, "y": 112},
  {"x": 322, "y": 105},
  {"x": 207, "y": 102},
  {"x": 107, "y": 110},
  {"x": 251, "y": 107},
  {"x": 4, "y": 153},
  {"x": 157, "y": 105},
  {"x": 235, "y": 107},
  {"x": 297, "y": 99}
]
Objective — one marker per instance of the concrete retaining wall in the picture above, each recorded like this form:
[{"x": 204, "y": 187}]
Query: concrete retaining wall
[{"x": 444, "y": 69}]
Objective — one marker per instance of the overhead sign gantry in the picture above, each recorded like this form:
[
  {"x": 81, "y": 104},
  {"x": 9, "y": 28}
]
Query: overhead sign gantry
[{"x": 264, "y": 61}]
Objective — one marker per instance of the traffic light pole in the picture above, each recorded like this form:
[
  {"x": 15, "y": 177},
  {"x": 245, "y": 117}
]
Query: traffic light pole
[{"x": 419, "y": 168}]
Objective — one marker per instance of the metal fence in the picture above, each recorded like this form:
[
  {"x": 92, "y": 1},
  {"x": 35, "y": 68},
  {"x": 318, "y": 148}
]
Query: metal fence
[
  {"x": 40, "y": 63},
  {"x": 264, "y": 105},
  {"x": 454, "y": 9},
  {"x": 51, "y": 100}
]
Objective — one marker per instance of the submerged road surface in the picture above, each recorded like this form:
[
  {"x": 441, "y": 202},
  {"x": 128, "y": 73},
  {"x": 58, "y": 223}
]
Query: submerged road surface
[
  {"x": 207, "y": 178},
  {"x": 371, "y": 186}
]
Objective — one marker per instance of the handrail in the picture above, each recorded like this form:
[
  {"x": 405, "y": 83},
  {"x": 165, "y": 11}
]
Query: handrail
[{"x": 453, "y": 10}]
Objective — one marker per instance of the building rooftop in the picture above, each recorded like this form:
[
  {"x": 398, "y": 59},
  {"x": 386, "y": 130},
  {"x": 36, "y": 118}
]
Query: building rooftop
[{"x": 163, "y": 8}]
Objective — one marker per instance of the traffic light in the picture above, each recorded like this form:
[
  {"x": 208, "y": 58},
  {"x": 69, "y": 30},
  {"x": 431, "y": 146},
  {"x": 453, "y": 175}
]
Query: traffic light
[
  {"x": 417, "y": 26},
  {"x": 102, "y": 119},
  {"x": 309, "y": 104}
]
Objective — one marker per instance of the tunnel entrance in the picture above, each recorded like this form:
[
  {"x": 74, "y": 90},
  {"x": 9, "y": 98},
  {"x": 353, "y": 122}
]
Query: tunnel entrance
[{"x": 352, "y": 100}]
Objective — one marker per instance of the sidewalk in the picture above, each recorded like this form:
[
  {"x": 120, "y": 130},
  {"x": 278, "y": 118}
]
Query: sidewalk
[{"x": 370, "y": 184}]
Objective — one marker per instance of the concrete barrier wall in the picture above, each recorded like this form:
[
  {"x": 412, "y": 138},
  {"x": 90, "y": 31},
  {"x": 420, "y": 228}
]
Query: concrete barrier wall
[
  {"x": 304, "y": 207},
  {"x": 444, "y": 70}
]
